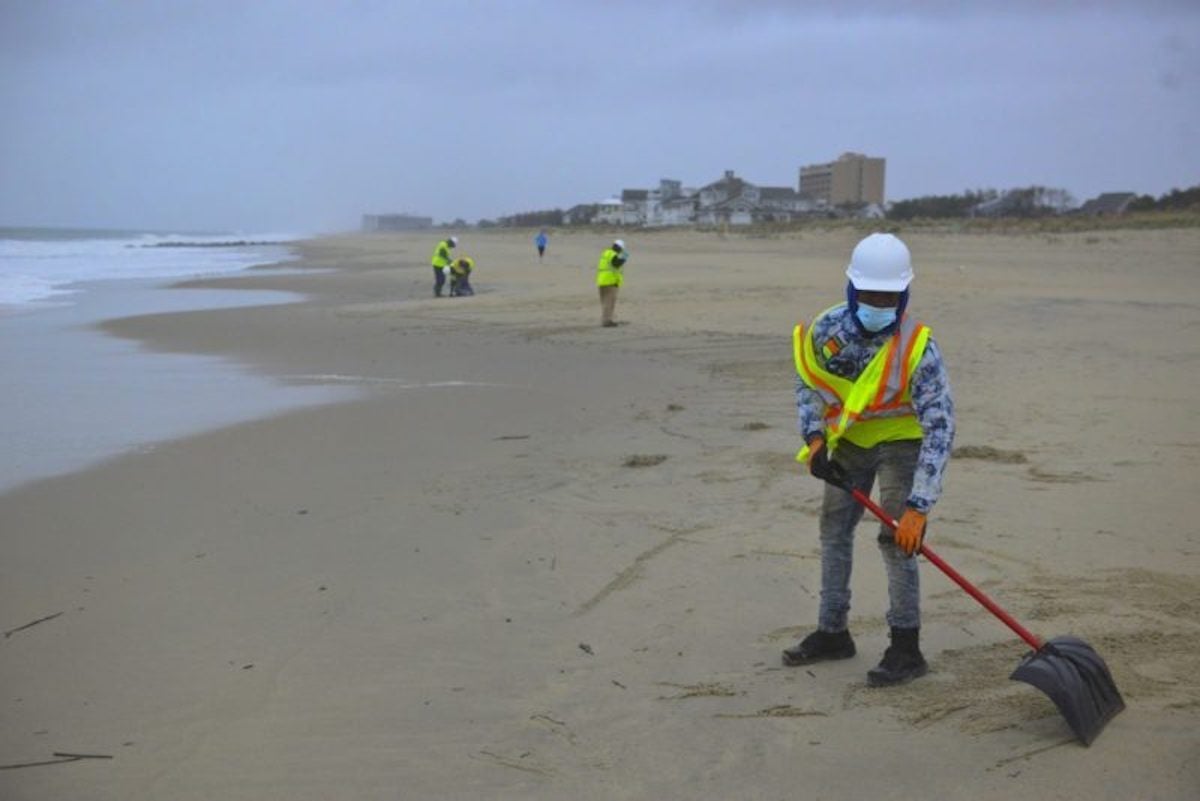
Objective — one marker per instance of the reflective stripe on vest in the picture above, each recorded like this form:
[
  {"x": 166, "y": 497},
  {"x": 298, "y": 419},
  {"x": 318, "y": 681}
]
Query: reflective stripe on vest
[{"x": 877, "y": 406}]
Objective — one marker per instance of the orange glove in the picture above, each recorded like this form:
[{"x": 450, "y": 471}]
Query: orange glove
[{"x": 910, "y": 532}]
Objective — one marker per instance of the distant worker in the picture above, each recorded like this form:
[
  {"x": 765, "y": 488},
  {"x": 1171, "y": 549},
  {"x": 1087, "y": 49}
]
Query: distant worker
[
  {"x": 460, "y": 277},
  {"x": 608, "y": 279},
  {"x": 541, "y": 240},
  {"x": 874, "y": 406},
  {"x": 441, "y": 263}
]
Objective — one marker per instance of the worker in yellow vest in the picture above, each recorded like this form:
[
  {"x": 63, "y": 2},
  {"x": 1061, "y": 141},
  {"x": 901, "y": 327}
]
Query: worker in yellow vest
[
  {"x": 609, "y": 279},
  {"x": 441, "y": 263},
  {"x": 874, "y": 401},
  {"x": 460, "y": 277}
]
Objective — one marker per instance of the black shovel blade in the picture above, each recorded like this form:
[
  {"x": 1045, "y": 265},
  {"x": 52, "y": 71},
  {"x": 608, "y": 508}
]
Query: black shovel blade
[{"x": 1078, "y": 682}]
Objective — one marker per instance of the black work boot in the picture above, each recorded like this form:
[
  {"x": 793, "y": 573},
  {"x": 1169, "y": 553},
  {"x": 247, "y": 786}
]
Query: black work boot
[
  {"x": 820, "y": 646},
  {"x": 901, "y": 662}
]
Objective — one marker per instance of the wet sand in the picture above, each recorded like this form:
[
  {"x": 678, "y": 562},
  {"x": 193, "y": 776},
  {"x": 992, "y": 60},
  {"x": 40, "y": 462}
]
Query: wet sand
[
  {"x": 543, "y": 559},
  {"x": 74, "y": 396}
]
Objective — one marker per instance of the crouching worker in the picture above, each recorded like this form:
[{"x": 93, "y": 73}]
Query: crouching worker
[
  {"x": 874, "y": 402},
  {"x": 460, "y": 277}
]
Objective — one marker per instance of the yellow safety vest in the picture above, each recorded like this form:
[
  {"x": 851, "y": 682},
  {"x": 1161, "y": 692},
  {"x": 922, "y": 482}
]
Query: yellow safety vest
[
  {"x": 462, "y": 266},
  {"x": 877, "y": 406},
  {"x": 441, "y": 254},
  {"x": 607, "y": 273}
]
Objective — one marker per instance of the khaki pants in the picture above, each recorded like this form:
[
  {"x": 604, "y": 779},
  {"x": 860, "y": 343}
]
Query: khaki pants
[{"x": 608, "y": 304}]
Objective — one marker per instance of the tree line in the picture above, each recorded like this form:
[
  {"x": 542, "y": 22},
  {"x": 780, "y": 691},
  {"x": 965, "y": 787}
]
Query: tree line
[
  {"x": 526, "y": 219},
  {"x": 1175, "y": 200},
  {"x": 1026, "y": 202},
  {"x": 1023, "y": 202}
]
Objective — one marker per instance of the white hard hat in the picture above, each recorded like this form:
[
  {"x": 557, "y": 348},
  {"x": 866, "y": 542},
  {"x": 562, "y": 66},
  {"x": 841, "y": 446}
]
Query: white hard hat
[
  {"x": 880, "y": 263},
  {"x": 619, "y": 243},
  {"x": 453, "y": 241}
]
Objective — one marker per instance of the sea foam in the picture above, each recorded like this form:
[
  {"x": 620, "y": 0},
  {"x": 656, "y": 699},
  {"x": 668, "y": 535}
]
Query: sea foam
[{"x": 45, "y": 265}]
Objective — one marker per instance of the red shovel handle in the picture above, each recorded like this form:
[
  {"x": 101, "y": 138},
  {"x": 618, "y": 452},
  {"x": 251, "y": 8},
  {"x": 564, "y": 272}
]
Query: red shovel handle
[{"x": 953, "y": 574}]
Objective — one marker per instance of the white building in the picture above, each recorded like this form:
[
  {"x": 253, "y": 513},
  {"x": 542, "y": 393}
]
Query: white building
[
  {"x": 633, "y": 206},
  {"x": 670, "y": 204},
  {"x": 608, "y": 212},
  {"x": 728, "y": 201}
]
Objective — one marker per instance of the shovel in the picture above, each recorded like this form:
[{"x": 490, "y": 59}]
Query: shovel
[{"x": 1065, "y": 668}]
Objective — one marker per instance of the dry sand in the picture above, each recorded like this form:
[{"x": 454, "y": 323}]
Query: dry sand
[{"x": 542, "y": 559}]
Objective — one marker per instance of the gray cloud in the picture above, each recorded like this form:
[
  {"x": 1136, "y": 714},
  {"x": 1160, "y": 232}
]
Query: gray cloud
[{"x": 303, "y": 115}]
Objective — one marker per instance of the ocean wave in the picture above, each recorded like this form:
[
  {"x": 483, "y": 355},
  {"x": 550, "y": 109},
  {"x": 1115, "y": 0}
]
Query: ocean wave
[
  {"x": 34, "y": 269},
  {"x": 239, "y": 243}
]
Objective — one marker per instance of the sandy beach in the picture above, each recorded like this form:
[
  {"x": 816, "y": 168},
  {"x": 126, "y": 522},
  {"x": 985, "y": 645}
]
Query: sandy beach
[{"x": 540, "y": 559}]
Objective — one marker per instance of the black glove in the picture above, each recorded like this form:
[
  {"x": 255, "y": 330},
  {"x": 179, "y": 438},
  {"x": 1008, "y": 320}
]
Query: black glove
[
  {"x": 822, "y": 467},
  {"x": 818, "y": 463}
]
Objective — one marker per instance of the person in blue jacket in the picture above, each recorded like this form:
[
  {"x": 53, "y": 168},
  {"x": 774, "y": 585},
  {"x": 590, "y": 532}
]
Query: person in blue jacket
[{"x": 541, "y": 240}]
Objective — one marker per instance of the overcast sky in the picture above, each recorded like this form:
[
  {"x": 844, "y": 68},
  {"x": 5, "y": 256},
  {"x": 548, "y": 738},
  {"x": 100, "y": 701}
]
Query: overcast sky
[{"x": 301, "y": 115}]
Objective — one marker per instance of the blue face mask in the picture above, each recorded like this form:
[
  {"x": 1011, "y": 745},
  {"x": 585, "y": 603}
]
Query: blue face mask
[{"x": 874, "y": 318}]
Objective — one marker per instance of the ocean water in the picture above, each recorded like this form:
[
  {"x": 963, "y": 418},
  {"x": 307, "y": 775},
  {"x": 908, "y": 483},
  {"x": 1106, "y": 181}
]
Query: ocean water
[
  {"x": 73, "y": 396},
  {"x": 42, "y": 265}
]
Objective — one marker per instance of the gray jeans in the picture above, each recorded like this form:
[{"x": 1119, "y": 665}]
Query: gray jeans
[{"x": 893, "y": 463}]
